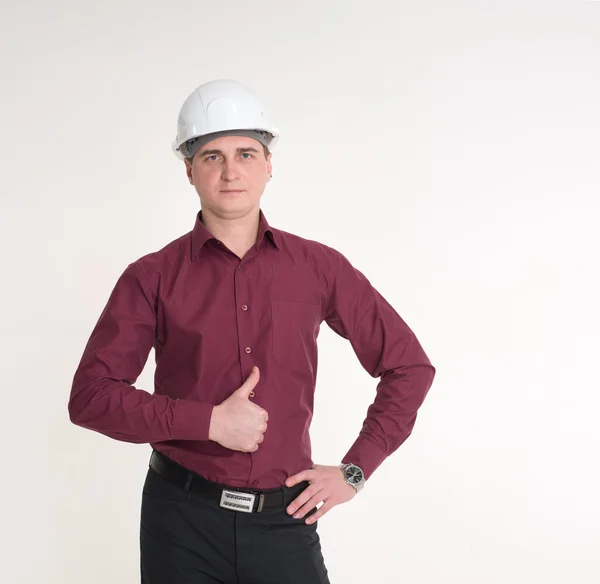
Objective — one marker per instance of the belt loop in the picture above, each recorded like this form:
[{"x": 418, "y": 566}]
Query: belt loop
[
  {"x": 261, "y": 501},
  {"x": 188, "y": 481}
]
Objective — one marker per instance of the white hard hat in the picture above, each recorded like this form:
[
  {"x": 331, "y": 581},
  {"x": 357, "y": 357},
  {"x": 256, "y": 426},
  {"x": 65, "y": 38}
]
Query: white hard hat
[{"x": 221, "y": 106}]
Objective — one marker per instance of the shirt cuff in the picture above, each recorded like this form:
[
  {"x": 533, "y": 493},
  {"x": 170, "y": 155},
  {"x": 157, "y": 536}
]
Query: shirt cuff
[
  {"x": 365, "y": 454},
  {"x": 191, "y": 420}
]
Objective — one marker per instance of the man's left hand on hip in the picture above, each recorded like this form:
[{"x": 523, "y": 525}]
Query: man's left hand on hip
[{"x": 327, "y": 485}]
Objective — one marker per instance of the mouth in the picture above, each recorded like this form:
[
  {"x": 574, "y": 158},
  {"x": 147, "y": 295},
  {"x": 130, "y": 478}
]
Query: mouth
[{"x": 232, "y": 191}]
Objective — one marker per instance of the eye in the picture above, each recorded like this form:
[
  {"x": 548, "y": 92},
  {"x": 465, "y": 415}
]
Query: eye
[
  {"x": 211, "y": 157},
  {"x": 247, "y": 154}
]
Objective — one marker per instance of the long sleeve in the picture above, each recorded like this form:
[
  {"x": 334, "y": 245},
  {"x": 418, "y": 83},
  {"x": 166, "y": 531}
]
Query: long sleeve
[
  {"x": 387, "y": 349},
  {"x": 103, "y": 397}
]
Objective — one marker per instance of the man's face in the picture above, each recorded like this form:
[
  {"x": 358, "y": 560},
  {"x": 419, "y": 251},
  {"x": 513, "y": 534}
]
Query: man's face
[{"x": 230, "y": 175}]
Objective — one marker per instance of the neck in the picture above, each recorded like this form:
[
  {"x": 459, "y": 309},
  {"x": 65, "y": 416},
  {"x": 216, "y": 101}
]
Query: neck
[{"x": 238, "y": 233}]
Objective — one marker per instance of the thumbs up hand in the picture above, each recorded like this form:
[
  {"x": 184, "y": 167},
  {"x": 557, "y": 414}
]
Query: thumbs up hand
[{"x": 237, "y": 423}]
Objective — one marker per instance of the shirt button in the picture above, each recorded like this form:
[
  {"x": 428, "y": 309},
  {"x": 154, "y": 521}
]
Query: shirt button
[
  {"x": 255, "y": 483},
  {"x": 240, "y": 268},
  {"x": 244, "y": 307},
  {"x": 248, "y": 350}
]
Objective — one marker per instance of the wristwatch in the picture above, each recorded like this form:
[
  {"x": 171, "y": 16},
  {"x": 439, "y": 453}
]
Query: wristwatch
[{"x": 353, "y": 475}]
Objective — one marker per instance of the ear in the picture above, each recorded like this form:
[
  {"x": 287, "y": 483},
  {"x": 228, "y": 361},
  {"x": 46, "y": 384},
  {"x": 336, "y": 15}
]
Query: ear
[
  {"x": 269, "y": 167},
  {"x": 188, "y": 171}
]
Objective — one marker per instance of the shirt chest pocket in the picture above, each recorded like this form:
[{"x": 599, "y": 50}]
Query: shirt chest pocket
[{"x": 294, "y": 330}]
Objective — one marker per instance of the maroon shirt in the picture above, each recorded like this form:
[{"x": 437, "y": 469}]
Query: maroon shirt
[{"x": 210, "y": 317}]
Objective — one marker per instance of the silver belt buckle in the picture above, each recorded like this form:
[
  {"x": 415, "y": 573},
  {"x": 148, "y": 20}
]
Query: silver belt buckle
[{"x": 238, "y": 501}]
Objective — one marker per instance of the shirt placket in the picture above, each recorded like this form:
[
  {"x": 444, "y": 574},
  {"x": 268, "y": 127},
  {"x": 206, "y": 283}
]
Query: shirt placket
[{"x": 245, "y": 324}]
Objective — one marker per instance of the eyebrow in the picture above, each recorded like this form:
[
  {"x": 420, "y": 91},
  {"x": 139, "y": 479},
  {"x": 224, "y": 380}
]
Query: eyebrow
[{"x": 238, "y": 150}]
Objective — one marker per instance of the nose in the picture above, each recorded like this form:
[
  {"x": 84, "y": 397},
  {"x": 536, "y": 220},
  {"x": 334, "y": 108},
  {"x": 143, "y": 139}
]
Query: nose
[{"x": 230, "y": 171}]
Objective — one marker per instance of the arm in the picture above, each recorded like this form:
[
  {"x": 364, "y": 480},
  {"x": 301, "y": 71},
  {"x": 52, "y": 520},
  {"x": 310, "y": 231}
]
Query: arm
[
  {"x": 103, "y": 397},
  {"x": 388, "y": 349}
]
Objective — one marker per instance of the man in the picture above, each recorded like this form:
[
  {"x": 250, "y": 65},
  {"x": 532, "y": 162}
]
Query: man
[{"x": 233, "y": 310}]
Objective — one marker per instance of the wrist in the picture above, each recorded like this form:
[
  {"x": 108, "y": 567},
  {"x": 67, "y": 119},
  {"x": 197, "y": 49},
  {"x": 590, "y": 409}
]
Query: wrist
[{"x": 353, "y": 475}]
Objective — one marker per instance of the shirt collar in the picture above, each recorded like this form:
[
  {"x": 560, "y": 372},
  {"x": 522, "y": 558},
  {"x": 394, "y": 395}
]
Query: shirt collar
[{"x": 200, "y": 235}]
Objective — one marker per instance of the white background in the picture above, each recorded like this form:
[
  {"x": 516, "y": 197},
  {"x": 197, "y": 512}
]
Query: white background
[{"x": 449, "y": 149}]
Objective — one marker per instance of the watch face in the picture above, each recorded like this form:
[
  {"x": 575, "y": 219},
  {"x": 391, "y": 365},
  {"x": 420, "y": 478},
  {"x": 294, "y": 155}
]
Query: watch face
[{"x": 353, "y": 474}]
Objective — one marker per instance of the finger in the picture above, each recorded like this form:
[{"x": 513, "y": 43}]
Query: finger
[
  {"x": 301, "y": 499},
  {"x": 305, "y": 475},
  {"x": 260, "y": 413},
  {"x": 254, "y": 376},
  {"x": 246, "y": 388},
  {"x": 326, "y": 506},
  {"x": 310, "y": 504}
]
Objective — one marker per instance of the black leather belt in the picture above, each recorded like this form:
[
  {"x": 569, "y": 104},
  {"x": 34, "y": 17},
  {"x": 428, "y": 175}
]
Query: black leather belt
[{"x": 233, "y": 498}]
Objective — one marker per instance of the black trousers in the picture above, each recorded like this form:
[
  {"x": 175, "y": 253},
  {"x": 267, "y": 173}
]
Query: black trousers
[{"x": 185, "y": 539}]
